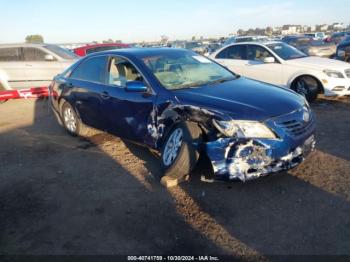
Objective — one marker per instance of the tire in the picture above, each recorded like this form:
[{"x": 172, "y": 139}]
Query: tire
[
  {"x": 71, "y": 121},
  {"x": 306, "y": 86},
  {"x": 185, "y": 157}
]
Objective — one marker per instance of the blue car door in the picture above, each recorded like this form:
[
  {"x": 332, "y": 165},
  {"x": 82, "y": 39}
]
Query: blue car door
[
  {"x": 127, "y": 114},
  {"x": 87, "y": 82}
]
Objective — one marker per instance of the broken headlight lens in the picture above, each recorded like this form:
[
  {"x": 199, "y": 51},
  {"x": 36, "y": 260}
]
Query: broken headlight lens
[{"x": 244, "y": 129}]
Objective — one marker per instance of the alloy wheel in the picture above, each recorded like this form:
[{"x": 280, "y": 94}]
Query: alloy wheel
[
  {"x": 302, "y": 88},
  {"x": 70, "y": 120},
  {"x": 172, "y": 147}
]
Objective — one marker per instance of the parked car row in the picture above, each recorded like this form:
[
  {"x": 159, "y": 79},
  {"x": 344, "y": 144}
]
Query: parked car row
[
  {"x": 337, "y": 37},
  {"x": 310, "y": 46},
  {"x": 184, "y": 104}
]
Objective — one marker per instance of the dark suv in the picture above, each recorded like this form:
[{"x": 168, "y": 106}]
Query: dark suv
[
  {"x": 184, "y": 104},
  {"x": 343, "y": 50}
]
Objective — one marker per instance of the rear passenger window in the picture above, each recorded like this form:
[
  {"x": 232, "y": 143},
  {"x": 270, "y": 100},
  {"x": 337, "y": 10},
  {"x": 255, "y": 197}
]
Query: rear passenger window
[
  {"x": 10, "y": 54},
  {"x": 33, "y": 54},
  {"x": 233, "y": 52},
  {"x": 92, "y": 70}
]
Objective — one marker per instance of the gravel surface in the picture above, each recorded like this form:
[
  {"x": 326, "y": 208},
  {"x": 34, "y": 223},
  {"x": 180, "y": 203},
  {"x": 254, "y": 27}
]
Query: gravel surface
[{"x": 66, "y": 195}]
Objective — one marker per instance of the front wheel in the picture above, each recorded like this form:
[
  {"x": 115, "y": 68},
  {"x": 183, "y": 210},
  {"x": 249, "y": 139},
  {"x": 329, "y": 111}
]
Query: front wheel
[
  {"x": 306, "y": 86},
  {"x": 179, "y": 153}
]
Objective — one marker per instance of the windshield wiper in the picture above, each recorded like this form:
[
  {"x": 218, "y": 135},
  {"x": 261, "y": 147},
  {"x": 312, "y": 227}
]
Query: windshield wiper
[
  {"x": 192, "y": 85},
  {"x": 221, "y": 81}
]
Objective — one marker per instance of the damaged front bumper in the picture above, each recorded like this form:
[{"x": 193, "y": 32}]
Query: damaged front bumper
[{"x": 247, "y": 159}]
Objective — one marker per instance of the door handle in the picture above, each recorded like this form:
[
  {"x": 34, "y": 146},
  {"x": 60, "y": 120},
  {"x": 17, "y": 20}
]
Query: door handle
[
  {"x": 104, "y": 95},
  {"x": 29, "y": 65}
]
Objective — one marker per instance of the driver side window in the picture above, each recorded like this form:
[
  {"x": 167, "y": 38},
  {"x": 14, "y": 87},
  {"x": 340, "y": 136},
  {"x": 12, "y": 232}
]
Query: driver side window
[
  {"x": 257, "y": 53},
  {"x": 121, "y": 71}
]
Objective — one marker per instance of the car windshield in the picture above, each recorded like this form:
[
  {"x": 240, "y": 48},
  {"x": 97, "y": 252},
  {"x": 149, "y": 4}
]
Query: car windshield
[
  {"x": 64, "y": 53},
  {"x": 285, "y": 51},
  {"x": 179, "y": 70}
]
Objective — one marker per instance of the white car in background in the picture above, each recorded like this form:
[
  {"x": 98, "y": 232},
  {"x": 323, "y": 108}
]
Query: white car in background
[
  {"x": 283, "y": 65},
  {"x": 247, "y": 38},
  {"x": 31, "y": 65}
]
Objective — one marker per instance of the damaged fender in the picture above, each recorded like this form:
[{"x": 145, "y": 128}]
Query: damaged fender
[{"x": 164, "y": 118}]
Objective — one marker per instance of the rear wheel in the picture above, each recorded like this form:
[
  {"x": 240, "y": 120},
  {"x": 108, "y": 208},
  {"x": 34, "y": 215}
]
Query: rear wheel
[
  {"x": 71, "y": 121},
  {"x": 179, "y": 154},
  {"x": 306, "y": 86}
]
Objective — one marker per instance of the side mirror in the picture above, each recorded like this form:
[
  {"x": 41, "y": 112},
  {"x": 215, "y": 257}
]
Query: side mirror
[
  {"x": 49, "y": 58},
  {"x": 136, "y": 86},
  {"x": 269, "y": 60}
]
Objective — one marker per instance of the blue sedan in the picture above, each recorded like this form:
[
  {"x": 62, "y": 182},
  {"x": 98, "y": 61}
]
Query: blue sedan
[{"x": 183, "y": 105}]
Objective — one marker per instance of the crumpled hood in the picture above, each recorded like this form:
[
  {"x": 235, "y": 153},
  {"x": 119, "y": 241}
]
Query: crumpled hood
[
  {"x": 242, "y": 99},
  {"x": 319, "y": 63}
]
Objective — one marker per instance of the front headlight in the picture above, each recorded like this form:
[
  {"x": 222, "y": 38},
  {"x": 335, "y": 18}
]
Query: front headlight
[
  {"x": 333, "y": 73},
  {"x": 244, "y": 129}
]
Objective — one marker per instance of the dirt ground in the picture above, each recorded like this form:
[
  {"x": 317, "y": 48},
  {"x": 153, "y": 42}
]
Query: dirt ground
[{"x": 66, "y": 195}]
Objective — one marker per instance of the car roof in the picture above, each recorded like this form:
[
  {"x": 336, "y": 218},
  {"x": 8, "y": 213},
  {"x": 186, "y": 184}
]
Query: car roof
[
  {"x": 344, "y": 43},
  {"x": 257, "y": 43},
  {"x": 101, "y": 45},
  {"x": 341, "y": 33},
  {"x": 23, "y": 45},
  {"x": 251, "y": 36},
  {"x": 140, "y": 52}
]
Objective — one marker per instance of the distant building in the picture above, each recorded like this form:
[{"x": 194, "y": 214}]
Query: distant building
[
  {"x": 338, "y": 26},
  {"x": 322, "y": 28},
  {"x": 312, "y": 28},
  {"x": 306, "y": 28},
  {"x": 291, "y": 29}
]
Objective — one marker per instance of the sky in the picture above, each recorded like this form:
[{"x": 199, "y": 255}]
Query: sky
[{"x": 71, "y": 21}]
